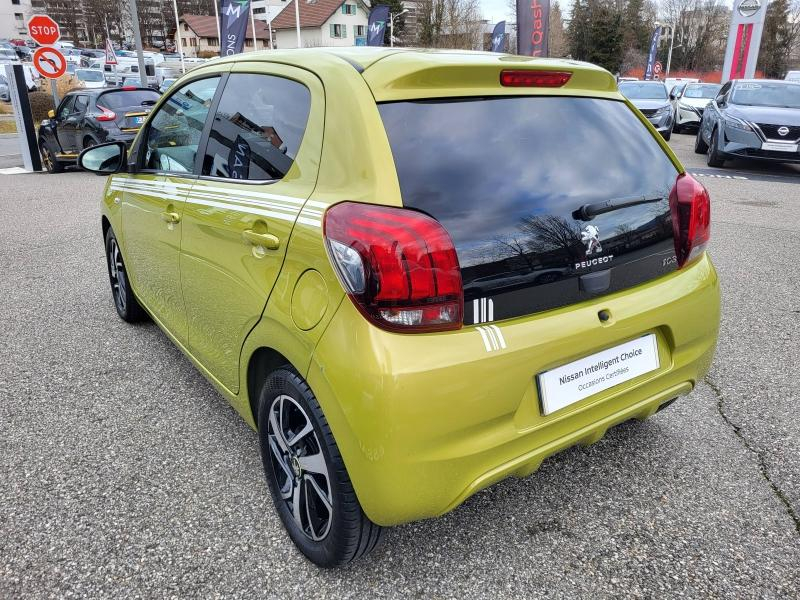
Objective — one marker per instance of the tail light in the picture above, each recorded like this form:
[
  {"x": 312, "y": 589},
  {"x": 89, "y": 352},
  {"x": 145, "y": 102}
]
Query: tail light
[
  {"x": 549, "y": 79},
  {"x": 106, "y": 115},
  {"x": 398, "y": 266},
  {"x": 690, "y": 205}
]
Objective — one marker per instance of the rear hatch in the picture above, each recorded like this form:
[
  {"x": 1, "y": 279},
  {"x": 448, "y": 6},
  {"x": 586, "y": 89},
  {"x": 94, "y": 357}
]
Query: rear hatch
[
  {"x": 131, "y": 106},
  {"x": 549, "y": 200}
]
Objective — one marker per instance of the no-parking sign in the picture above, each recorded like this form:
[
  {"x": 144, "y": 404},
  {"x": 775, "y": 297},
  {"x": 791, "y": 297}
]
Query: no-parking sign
[{"x": 49, "y": 62}]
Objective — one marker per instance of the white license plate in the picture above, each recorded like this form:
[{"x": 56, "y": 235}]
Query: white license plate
[
  {"x": 138, "y": 120},
  {"x": 592, "y": 374},
  {"x": 778, "y": 147}
]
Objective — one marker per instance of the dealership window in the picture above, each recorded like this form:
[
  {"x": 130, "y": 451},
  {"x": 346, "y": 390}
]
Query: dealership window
[
  {"x": 213, "y": 42},
  {"x": 361, "y": 30},
  {"x": 258, "y": 128},
  {"x": 348, "y": 9},
  {"x": 338, "y": 30},
  {"x": 20, "y": 19}
]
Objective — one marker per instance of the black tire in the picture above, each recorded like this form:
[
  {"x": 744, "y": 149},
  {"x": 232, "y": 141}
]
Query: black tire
[
  {"x": 343, "y": 531},
  {"x": 128, "y": 308},
  {"x": 88, "y": 142},
  {"x": 667, "y": 135},
  {"x": 49, "y": 161},
  {"x": 675, "y": 127},
  {"x": 714, "y": 156},
  {"x": 700, "y": 146}
]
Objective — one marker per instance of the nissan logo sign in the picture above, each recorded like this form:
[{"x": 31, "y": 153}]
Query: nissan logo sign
[
  {"x": 783, "y": 131},
  {"x": 747, "y": 8}
]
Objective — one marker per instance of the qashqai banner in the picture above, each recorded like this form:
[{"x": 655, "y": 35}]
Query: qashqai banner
[{"x": 533, "y": 18}]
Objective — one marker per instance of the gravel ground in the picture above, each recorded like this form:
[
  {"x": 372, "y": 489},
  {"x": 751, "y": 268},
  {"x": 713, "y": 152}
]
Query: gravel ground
[{"x": 123, "y": 474}]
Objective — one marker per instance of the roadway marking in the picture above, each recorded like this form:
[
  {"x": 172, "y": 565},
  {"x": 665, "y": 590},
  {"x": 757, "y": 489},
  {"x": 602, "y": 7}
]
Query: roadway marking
[{"x": 733, "y": 174}]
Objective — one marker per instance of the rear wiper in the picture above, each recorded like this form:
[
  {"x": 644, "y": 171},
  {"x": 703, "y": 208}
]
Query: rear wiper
[{"x": 587, "y": 212}]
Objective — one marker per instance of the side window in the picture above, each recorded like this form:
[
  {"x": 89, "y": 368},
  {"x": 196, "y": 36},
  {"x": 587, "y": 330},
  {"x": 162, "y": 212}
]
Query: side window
[
  {"x": 722, "y": 97},
  {"x": 258, "y": 127},
  {"x": 81, "y": 102},
  {"x": 65, "y": 109},
  {"x": 175, "y": 130}
]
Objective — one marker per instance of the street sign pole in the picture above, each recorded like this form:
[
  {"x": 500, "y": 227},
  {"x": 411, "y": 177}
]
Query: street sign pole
[
  {"x": 54, "y": 91},
  {"x": 137, "y": 38}
]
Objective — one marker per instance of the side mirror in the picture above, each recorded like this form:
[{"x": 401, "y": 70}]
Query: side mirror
[
  {"x": 104, "y": 159},
  {"x": 51, "y": 114},
  {"x": 672, "y": 96}
]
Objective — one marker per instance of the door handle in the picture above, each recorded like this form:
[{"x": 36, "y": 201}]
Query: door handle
[
  {"x": 170, "y": 217},
  {"x": 266, "y": 240}
]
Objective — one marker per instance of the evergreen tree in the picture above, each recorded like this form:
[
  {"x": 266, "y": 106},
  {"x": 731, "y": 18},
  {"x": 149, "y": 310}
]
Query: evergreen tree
[{"x": 776, "y": 40}]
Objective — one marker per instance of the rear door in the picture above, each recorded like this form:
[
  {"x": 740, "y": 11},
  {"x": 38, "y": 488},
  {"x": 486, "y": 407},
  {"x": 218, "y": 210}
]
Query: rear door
[
  {"x": 549, "y": 200},
  {"x": 259, "y": 167},
  {"x": 73, "y": 127},
  {"x": 64, "y": 132},
  {"x": 154, "y": 197}
]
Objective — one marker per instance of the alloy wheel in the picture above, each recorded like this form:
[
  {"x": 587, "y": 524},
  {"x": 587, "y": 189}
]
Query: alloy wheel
[
  {"x": 116, "y": 270},
  {"x": 299, "y": 466},
  {"x": 46, "y": 158}
]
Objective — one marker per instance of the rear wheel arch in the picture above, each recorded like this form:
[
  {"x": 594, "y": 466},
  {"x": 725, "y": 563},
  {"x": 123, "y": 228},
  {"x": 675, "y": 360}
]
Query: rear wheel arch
[{"x": 262, "y": 362}]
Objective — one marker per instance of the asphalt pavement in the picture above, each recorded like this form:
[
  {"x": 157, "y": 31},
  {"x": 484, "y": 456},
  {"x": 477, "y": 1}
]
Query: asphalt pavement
[{"x": 124, "y": 474}]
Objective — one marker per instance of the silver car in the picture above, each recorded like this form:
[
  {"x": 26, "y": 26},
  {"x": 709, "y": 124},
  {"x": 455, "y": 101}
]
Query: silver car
[
  {"x": 651, "y": 98},
  {"x": 689, "y": 102}
]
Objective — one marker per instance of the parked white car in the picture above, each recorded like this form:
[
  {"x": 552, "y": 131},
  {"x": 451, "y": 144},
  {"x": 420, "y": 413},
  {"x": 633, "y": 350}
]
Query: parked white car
[
  {"x": 91, "y": 78},
  {"x": 793, "y": 76},
  {"x": 689, "y": 101}
]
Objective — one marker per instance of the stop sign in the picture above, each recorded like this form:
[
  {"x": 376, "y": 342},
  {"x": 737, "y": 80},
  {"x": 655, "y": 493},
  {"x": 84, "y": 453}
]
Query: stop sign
[{"x": 43, "y": 30}]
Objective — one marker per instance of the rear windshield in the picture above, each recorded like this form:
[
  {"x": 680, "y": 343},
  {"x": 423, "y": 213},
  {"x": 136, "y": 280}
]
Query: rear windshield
[
  {"x": 506, "y": 175},
  {"x": 128, "y": 98},
  {"x": 643, "y": 91}
]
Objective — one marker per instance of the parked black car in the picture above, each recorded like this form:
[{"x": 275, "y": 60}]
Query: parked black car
[
  {"x": 651, "y": 98},
  {"x": 88, "y": 117},
  {"x": 752, "y": 118}
]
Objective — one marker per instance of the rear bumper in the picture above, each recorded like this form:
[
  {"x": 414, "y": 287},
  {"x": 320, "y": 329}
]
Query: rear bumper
[{"x": 425, "y": 421}]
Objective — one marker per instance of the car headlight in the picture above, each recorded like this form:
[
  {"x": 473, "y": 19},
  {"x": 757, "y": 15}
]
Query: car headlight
[
  {"x": 737, "y": 123},
  {"x": 662, "y": 111}
]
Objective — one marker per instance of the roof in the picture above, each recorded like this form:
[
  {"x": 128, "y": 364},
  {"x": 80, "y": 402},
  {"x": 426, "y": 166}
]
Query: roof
[
  {"x": 312, "y": 14},
  {"x": 206, "y": 27},
  {"x": 402, "y": 73}
]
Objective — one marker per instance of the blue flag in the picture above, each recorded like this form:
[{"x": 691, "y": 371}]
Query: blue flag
[
  {"x": 233, "y": 17},
  {"x": 651, "y": 57},
  {"x": 499, "y": 37},
  {"x": 378, "y": 18}
]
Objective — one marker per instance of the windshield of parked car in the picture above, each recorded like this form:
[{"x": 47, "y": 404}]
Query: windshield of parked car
[
  {"x": 774, "y": 93},
  {"x": 89, "y": 75},
  {"x": 125, "y": 98},
  {"x": 706, "y": 90},
  {"x": 640, "y": 90},
  {"x": 8, "y": 53}
]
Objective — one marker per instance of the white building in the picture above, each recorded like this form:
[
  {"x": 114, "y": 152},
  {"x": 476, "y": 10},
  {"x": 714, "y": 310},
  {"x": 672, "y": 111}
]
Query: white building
[
  {"x": 14, "y": 15},
  {"x": 271, "y": 8},
  {"x": 322, "y": 23}
]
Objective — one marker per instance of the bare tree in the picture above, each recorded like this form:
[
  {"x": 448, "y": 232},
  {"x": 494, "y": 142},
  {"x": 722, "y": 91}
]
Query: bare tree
[
  {"x": 449, "y": 24},
  {"x": 701, "y": 28}
]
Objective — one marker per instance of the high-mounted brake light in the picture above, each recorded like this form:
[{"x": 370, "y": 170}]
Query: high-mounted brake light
[
  {"x": 398, "y": 266},
  {"x": 106, "y": 115},
  {"x": 128, "y": 88},
  {"x": 690, "y": 205},
  {"x": 549, "y": 79}
]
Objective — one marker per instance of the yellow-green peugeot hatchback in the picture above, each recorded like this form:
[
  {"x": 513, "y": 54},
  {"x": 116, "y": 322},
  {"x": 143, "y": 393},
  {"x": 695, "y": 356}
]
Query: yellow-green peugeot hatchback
[{"x": 414, "y": 273}]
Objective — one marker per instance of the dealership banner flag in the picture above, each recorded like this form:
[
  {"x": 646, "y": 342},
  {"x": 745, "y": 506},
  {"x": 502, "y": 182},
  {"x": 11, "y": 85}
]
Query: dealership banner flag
[
  {"x": 651, "y": 57},
  {"x": 533, "y": 26},
  {"x": 378, "y": 18},
  {"x": 499, "y": 37},
  {"x": 233, "y": 17}
]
